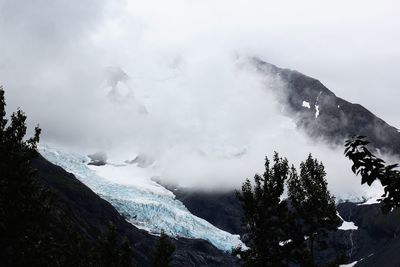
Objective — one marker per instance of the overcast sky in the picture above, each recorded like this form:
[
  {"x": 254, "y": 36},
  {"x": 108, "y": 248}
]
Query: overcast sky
[
  {"x": 353, "y": 47},
  {"x": 59, "y": 58}
]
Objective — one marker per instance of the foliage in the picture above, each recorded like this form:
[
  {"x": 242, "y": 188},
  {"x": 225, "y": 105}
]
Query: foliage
[
  {"x": 109, "y": 253},
  {"x": 23, "y": 206},
  {"x": 278, "y": 228},
  {"x": 266, "y": 216},
  {"x": 312, "y": 203},
  {"x": 30, "y": 234},
  {"x": 372, "y": 168},
  {"x": 163, "y": 253}
]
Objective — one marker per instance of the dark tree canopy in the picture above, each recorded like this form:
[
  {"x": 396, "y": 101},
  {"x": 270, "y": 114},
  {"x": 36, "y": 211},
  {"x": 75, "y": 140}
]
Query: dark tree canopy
[
  {"x": 29, "y": 231},
  {"x": 282, "y": 232},
  {"x": 266, "y": 216},
  {"x": 312, "y": 203},
  {"x": 164, "y": 250},
  {"x": 23, "y": 207},
  {"x": 110, "y": 253},
  {"x": 371, "y": 169}
]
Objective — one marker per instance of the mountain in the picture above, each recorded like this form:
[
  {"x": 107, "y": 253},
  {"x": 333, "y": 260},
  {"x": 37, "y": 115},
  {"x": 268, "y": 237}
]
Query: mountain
[
  {"x": 206, "y": 225},
  {"x": 143, "y": 202},
  {"x": 321, "y": 114},
  {"x": 366, "y": 236},
  {"x": 376, "y": 242},
  {"x": 222, "y": 209},
  {"x": 77, "y": 206}
]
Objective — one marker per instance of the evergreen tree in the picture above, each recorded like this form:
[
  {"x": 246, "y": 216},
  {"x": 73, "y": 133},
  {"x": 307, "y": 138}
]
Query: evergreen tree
[
  {"x": 284, "y": 232},
  {"x": 372, "y": 168},
  {"x": 110, "y": 253},
  {"x": 313, "y": 205},
  {"x": 162, "y": 256},
  {"x": 266, "y": 217},
  {"x": 23, "y": 205},
  {"x": 125, "y": 253},
  {"x": 27, "y": 234}
]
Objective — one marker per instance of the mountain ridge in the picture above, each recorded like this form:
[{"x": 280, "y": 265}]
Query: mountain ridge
[
  {"x": 328, "y": 116},
  {"x": 317, "y": 111}
]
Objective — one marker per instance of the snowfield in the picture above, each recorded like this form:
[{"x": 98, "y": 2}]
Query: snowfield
[{"x": 143, "y": 202}]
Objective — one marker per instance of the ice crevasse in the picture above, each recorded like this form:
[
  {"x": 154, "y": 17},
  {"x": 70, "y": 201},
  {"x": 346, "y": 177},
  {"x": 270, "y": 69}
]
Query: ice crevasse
[{"x": 143, "y": 202}]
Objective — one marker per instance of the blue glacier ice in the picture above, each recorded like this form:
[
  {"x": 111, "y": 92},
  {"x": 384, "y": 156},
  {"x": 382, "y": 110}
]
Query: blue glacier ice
[{"x": 143, "y": 202}]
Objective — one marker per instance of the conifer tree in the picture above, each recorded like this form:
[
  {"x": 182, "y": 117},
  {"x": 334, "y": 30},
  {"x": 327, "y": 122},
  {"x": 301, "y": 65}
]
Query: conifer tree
[
  {"x": 313, "y": 206},
  {"x": 125, "y": 254},
  {"x": 266, "y": 216},
  {"x": 164, "y": 250},
  {"x": 111, "y": 254},
  {"x": 283, "y": 232},
  {"x": 26, "y": 234},
  {"x": 23, "y": 210}
]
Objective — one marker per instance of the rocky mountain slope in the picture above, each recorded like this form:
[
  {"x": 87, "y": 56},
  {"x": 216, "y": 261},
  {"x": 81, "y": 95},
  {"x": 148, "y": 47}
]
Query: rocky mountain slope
[
  {"x": 366, "y": 236},
  {"x": 322, "y": 114},
  {"x": 316, "y": 110},
  {"x": 376, "y": 242},
  {"x": 143, "y": 202},
  {"x": 79, "y": 207},
  {"x": 372, "y": 238}
]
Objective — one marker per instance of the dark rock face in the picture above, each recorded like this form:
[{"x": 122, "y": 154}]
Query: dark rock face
[
  {"x": 329, "y": 117},
  {"x": 222, "y": 209},
  {"x": 76, "y": 206},
  {"x": 377, "y": 240},
  {"x": 192, "y": 252}
]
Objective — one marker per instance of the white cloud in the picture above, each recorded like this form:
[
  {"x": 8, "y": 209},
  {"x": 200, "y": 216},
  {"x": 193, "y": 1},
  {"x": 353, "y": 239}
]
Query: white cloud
[{"x": 181, "y": 58}]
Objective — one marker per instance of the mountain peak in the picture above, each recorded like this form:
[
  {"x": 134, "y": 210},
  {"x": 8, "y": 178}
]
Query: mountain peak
[{"x": 329, "y": 117}]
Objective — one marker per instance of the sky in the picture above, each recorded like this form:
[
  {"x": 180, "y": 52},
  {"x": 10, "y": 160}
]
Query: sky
[{"x": 184, "y": 92}]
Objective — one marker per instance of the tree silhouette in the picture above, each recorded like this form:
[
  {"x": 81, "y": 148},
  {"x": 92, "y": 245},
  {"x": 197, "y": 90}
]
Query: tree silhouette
[
  {"x": 313, "y": 205},
  {"x": 372, "y": 168},
  {"x": 29, "y": 231},
  {"x": 282, "y": 232},
  {"x": 23, "y": 205},
  {"x": 110, "y": 253},
  {"x": 163, "y": 253},
  {"x": 266, "y": 216}
]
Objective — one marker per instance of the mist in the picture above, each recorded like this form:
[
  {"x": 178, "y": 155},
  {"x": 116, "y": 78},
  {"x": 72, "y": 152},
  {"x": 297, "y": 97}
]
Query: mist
[{"x": 172, "y": 81}]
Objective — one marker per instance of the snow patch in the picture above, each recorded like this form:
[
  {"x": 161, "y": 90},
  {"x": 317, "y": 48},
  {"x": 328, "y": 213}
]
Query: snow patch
[
  {"x": 316, "y": 111},
  {"x": 282, "y": 243},
  {"x": 143, "y": 202},
  {"x": 346, "y": 225},
  {"x": 349, "y": 264},
  {"x": 373, "y": 200},
  {"x": 306, "y": 104}
]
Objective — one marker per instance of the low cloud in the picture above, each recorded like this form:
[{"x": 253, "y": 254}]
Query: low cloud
[{"x": 170, "y": 80}]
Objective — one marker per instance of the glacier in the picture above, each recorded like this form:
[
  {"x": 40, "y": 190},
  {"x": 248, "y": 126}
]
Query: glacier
[{"x": 143, "y": 202}]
